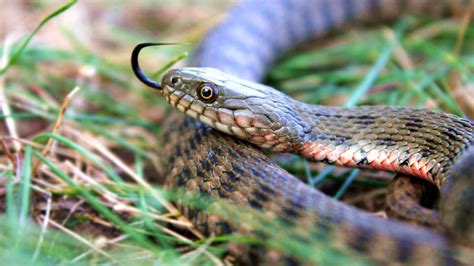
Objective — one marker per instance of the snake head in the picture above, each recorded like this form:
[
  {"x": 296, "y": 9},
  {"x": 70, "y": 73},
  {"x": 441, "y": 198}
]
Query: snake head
[{"x": 241, "y": 108}]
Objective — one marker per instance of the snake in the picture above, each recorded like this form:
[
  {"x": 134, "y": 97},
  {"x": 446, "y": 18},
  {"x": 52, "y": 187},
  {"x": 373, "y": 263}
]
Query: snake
[{"x": 217, "y": 148}]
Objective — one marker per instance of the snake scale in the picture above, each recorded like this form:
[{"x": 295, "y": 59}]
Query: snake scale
[{"x": 223, "y": 93}]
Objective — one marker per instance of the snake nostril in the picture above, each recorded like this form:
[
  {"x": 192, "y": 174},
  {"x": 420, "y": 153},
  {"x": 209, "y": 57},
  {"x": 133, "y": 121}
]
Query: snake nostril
[{"x": 174, "y": 80}]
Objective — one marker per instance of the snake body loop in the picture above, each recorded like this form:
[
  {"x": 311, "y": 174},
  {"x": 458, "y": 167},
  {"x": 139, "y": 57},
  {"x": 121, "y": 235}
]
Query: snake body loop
[{"x": 423, "y": 143}]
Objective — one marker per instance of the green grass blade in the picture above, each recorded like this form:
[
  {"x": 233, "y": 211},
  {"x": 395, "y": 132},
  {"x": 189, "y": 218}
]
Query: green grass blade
[
  {"x": 346, "y": 184},
  {"x": 96, "y": 204},
  {"x": 25, "y": 42},
  {"x": 26, "y": 187},
  {"x": 12, "y": 210},
  {"x": 122, "y": 142},
  {"x": 369, "y": 80},
  {"x": 169, "y": 64},
  {"x": 318, "y": 179},
  {"x": 85, "y": 152}
]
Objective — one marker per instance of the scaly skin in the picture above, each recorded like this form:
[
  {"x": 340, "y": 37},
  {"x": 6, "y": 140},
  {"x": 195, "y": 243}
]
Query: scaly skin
[
  {"x": 418, "y": 142},
  {"x": 206, "y": 161}
]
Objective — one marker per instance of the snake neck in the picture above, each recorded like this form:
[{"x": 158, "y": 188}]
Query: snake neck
[{"x": 417, "y": 142}]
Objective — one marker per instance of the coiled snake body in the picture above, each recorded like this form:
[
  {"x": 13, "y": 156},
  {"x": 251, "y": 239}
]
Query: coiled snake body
[{"x": 431, "y": 145}]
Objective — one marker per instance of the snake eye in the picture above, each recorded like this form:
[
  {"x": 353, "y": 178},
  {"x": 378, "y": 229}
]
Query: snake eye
[{"x": 207, "y": 92}]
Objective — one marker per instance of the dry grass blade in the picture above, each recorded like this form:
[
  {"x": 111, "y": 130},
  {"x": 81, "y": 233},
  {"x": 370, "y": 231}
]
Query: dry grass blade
[
  {"x": 44, "y": 227},
  {"x": 134, "y": 211},
  {"x": 463, "y": 95},
  {"x": 7, "y": 152},
  {"x": 57, "y": 125},
  {"x": 98, "y": 146},
  {"x": 79, "y": 238},
  {"x": 10, "y": 122},
  {"x": 466, "y": 20},
  {"x": 201, "y": 250}
]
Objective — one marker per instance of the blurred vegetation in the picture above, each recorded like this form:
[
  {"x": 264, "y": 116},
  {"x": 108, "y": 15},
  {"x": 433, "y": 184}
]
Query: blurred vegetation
[{"x": 79, "y": 180}]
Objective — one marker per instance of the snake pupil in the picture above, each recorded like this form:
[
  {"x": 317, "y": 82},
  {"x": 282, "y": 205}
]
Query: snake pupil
[{"x": 206, "y": 92}]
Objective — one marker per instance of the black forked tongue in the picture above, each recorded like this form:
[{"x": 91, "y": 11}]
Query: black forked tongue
[{"x": 136, "y": 67}]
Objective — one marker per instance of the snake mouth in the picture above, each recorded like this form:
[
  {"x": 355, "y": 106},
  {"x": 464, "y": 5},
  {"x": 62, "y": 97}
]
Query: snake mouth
[{"x": 187, "y": 105}]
